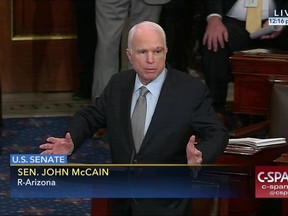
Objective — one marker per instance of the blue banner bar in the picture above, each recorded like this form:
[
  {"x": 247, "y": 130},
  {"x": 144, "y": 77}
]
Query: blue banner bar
[
  {"x": 37, "y": 159},
  {"x": 95, "y": 181}
]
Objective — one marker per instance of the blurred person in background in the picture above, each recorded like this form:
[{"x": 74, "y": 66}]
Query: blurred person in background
[
  {"x": 86, "y": 45},
  {"x": 225, "y": 33}
]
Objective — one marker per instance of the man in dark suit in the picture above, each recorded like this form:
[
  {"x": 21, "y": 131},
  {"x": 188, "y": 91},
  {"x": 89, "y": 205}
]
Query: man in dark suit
[
  {"x": 178, "y": 109},
  {"x": 226, "y": 33}
]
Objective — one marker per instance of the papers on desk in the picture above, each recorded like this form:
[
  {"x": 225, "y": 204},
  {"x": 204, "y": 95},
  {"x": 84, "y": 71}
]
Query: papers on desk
[
  {"x": 263, "y": 53},
  {"x": 250, "y": 146},
  {"x": 256, "y": 142},
  {"x": 256, "y": 51}
]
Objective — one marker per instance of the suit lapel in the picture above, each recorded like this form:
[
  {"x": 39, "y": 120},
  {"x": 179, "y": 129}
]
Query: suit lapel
[
  {"x": 165, "y": 102},
  {"x": 125, "y": 107}
]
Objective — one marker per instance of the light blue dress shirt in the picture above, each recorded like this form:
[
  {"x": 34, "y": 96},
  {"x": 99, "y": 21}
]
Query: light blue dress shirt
[{"x": 152, "y": 96}]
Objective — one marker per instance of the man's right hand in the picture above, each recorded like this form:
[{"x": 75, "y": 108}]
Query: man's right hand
[
  {"x": 216, "y": 34},
  {"x": 58, "y": 145}
]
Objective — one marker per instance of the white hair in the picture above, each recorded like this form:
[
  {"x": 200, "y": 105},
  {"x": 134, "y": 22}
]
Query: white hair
[{"x": 145, "y": 25}]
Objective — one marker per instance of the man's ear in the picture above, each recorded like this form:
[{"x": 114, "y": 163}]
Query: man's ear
[
  {"x": 128, "y": 53},
  {"x": 166, "y": 51}
]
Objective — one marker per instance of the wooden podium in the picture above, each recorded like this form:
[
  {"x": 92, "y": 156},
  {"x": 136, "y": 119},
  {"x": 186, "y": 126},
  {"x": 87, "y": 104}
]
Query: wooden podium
[{"x": 251, "y": 70}]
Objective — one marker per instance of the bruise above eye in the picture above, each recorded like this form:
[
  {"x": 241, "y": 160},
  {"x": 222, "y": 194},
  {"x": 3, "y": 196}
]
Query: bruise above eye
[{"x": 159, "y": 50}]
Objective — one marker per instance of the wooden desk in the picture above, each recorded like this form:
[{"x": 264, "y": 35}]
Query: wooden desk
[
  {"x": 249, "y": 205},
  {"x": 251, "y": 71},
  {"x": 282, "y": 160}
]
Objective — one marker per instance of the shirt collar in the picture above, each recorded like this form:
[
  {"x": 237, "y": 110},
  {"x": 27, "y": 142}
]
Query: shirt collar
[{"x": 154, "y": 86}]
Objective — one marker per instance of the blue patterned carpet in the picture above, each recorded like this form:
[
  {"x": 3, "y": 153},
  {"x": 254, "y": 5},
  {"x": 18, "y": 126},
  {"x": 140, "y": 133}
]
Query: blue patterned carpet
[{"x": 23, "y": 136}]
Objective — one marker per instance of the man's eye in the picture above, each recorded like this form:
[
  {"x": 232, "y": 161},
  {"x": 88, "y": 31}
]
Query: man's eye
[{"x": 158, "y": 52}]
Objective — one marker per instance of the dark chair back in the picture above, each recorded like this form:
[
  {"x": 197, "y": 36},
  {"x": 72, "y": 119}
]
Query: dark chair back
[{"x": 279, "y": 108}]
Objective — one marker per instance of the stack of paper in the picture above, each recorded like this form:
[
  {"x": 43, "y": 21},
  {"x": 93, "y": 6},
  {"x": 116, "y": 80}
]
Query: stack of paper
[
  {"x": 250, "y": 146},
  {"x": 256, "y": 142}
]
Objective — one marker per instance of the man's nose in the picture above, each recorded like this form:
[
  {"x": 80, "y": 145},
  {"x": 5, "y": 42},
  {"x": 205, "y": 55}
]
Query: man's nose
[{"x": 150, "y": 57}]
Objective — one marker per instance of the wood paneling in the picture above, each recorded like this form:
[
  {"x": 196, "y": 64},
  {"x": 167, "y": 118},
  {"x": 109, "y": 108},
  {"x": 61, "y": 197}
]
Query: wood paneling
[
  {"x": 42, "y": 17},
  {"x": 38, "y": 47},
  {"x": 251, "y": 71}
]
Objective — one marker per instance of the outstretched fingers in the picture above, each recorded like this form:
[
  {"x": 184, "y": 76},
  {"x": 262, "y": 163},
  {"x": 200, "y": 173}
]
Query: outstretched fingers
[
  {"x": 58, "y": 145},
  {"x": 47, "y": 147}
]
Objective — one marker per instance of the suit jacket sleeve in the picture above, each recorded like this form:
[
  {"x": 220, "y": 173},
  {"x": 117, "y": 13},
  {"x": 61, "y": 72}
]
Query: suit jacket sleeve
[
  {"x": 89, "y": 119},
  {"x": 213, "y": 135}
]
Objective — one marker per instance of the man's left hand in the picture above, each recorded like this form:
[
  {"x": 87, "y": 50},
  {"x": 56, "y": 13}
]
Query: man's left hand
[{"x": 194, "y": 156}]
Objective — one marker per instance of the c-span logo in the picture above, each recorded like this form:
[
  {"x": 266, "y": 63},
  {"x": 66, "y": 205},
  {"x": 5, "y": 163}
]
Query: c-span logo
[{"x": 271, "y": 182}]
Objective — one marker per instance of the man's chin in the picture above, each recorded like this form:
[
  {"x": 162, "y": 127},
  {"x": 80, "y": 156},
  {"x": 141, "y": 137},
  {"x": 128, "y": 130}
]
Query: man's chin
[{"x": 150, "y": 77}]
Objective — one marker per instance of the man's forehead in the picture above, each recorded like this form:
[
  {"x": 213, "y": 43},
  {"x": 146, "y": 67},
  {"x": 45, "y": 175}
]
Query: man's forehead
[{"x": 150, "y": 47}]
